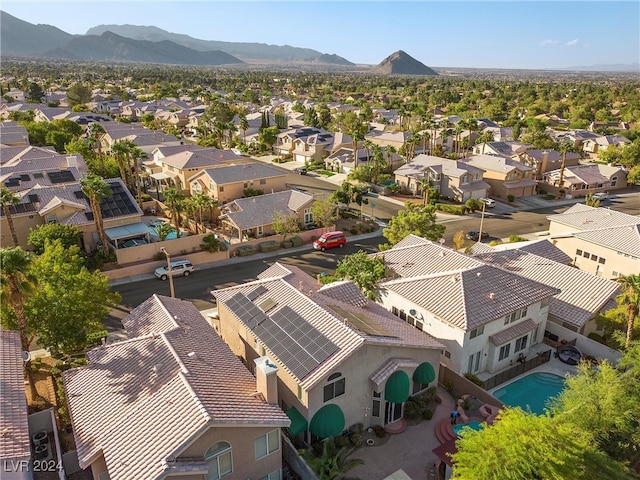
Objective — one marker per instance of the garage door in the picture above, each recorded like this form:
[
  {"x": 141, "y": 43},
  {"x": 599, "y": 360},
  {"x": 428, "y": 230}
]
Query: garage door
[{"x": 300, "y": 158}]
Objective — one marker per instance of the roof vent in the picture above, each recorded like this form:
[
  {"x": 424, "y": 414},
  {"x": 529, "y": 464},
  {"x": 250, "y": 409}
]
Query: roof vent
[
  {"x": 454, "y": 279},
  {"x": 492, "y": 295},
  {"x": 478, "y": 274},
  {"x": 157, "y": 367},
  {"x": 192, "y": 355}
]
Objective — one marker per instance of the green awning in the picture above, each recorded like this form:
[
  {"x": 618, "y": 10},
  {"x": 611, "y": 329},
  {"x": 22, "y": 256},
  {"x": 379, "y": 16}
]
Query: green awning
[
  {"x": 328, "y": 421},
  {"x": 298, "y": 422},
  {"x": 397, "y": 388},
  {"x": 425, "y": 373}
]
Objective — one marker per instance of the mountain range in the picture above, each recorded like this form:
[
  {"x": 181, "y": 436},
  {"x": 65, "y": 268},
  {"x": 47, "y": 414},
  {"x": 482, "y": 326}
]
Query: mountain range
[{"x": 148, "y": 44}]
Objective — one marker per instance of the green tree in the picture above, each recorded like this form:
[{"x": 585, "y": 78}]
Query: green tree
[
  {"x": 17, "y": 284},
  {"x": 590, "y": 201},
  {"x": 363, "y": 270},
  {"x": 7, "y": 199},
  {"x": 164, "y": 230},
  {"x": 71, "y": 302},
  {"x": 267, "y": 136},
  {"x": 174, "y": 200},
  {"x": 415, "y": 219},
  {"x": 78, "y": 94},
  {"x": 96, "y": 190},
  {"x": 324, "y": 211},
  {"x": 35, "y": 93},
  {"x": 525, "y": 446},
  {"x": 630, "y": 298},
  {"x": 69, "y": 235},
  {"x": 564, "y": 148},
  {"x": 284, "y": 225}
]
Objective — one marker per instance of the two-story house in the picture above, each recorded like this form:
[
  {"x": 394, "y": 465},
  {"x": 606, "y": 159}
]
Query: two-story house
[
  {"x": 600, "y": 241},
  {"x": 543, "y": 161},
  {"x": 486, "y": 317},
  {"x": 342, "y": 359},
  {"x": 173, "y": 402},
  {"x": 226, "y": 183},
  {"x": 451, "y": 178},
  {"x": 504, "y": 175}
]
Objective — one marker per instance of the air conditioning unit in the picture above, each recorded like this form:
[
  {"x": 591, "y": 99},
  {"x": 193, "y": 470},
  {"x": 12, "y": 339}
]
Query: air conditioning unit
[
  {"x": 40, "y": 438},
  {"x": 41, "y": 452}
]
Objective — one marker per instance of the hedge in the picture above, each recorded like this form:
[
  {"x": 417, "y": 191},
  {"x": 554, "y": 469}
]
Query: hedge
[
  {"x": 270, "y": 246},
  {"x": 452, "y": 209},
  {"x": 245, "y": 250},
  {"x": 297, "y": 241}
]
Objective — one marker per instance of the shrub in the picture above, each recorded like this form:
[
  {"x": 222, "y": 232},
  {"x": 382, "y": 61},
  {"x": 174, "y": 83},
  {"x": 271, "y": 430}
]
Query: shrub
[
  {"x": 245, "y": 250},
  {"x": 473, "y": 378},
  {"x": 511, "y": 198},
  {"x": 379, "y": 431},
  {"x": 270, "y": 246},
  {"x": 210, "y": 243},
  {"x": 427, "y": 414},
  {"x": 159, "y": 256},
  {"x": 341, "y": 441},
  {"x": 448, "y": 386},
  {"x": 549, "y": 197},
  {"x": 394, "y": 187},
  {"x": 95, "y": 339},
  {"x": 452, "y": 209},
  {"x": 287, "y": 244},
  {"x": 411, "y": 410},
  {"x": 296, "y": 241},
  {"x": 356, "y": 439},
  {"x": 36, "y": 363},
  {"x": 516, "y": 238},
  {"x": 353, "y": 231}
]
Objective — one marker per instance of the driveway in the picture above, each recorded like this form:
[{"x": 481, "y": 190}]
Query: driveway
[{"x": 410, "y": 450}]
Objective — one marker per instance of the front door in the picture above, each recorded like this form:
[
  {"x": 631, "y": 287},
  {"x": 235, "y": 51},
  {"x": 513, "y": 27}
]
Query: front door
[{"x": 393, "y": 412}]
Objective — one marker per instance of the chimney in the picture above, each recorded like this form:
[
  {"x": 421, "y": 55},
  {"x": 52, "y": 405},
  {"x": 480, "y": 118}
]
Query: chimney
[
  {"x": 267, "y": 379},
  {"x": 545, "y": 156},
  {"x": 72, "y": 161}
]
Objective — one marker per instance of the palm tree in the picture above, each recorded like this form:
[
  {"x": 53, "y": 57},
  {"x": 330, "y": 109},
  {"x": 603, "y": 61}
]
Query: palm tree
[
  {"x": 457, "y": 130},
  {"x": 136, "y": 154},
  {"x": 425, "y": 184},
  {"x": 97, "y": 131},
  {"x": 564, "y": 148},
  {"x": 244, "y": 126},
  {"x": 96, "y": 190},
  {"x": 391, "y": 150},
  {"x": 201, "y": 200},
  {"x": 630, "y": 296},
  {"x": 332, "y": 463},
  {"x": 379, "y": 162},
  {"x": 120, "y": 151},
  {"x": 173, "y": 198},
  {"x": 7, "y": 198},
  {"x": 16, "y": 286},
  {"x": 484, "y": 138}
]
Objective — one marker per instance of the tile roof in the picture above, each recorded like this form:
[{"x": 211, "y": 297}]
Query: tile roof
[
  {"x": 389, "y": 367},
  {"x": 513, "y": 332},
  {"x": 624, "y": 239},
  {"x": 14, "y": 425},
  {"x": 450, "y": 168},
  {"x": 253, "y": 212},
  {"x": 589, "y": 174},
  {"x": 542, "y": 248},
  {"x": 243, "y": 172},
  {"x": 580, "y": 294},
  {"x": 325, "y": 313},
  {"x": 471, "y": 297},
  {"x": 199, "y": 158},
  {"x": 583, "y": 217},
  {"x": 140, "y": 401},
  {"x": 496, "y": 163}
]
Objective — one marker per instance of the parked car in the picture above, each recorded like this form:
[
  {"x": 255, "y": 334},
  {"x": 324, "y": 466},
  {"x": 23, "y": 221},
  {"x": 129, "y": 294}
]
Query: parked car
[
  {"x": 475, "y": 235},
  {"x": 600, "y": 196},
  {"x": 488, "y": 202},
  {"x": 300, "y": 170},
  {"x": 178, "y": 268},
  {"x": 330, "y": 240}
]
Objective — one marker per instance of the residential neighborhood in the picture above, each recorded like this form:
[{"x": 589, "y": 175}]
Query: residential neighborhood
[{"x": 476, "y": 251}]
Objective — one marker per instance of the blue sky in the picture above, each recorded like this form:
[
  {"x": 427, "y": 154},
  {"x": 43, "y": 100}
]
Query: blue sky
[{"x": 478, "y": 34}]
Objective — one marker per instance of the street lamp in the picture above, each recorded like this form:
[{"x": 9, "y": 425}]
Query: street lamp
[
  {"x": 173, "y": 292},
  {"x": 484, "y": 205}
]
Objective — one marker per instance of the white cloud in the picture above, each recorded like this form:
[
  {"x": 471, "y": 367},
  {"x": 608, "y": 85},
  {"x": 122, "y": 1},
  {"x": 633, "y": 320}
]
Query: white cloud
[
  {"x": 548, "y": 41},
  {"x": 572, "y": 43}
]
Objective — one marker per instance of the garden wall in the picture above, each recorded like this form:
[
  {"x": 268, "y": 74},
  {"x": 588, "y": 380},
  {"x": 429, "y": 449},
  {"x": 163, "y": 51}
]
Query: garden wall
[
  {"x": 295, "y": 461},
  {"x": 177, "y": 246},
  {"x": 584, "y": 344},
  {"x": 462, "y": 386},
  {"x": 306, "y": 236}
]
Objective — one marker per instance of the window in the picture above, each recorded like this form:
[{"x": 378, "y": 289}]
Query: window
[
  {"x": 602, "y": 260},
  {"x": 220, "y": 460},
  {"x": 474, "y": 362},
  {"x": 263, "y": 181},
  {"x": 504, "y": 351},
  {"x": 418, "y": 387},
  {"x": 375, "y": 403},
  {"x": 447, "y": 354},
  {"x": 221, "y": 189},
  {"x": 579, "y": 252},
  {"x": 335, "y": 388},
  {"x": 51, "y": 218},
  {"x": 260, "y": 230},
  {"x": 586, "y": 254},
  {"x": 275, "y": 475},
  {"x": 517, "y": 315},
  {"x": 267, "y": 444},
  {"x": 476, "y": 332},
  {"x": 403, "y": 315},
  {"x": 308, "y": 216},
  {"x": 395, "y": 311},
  {"x": 614, "y": 180},
  {"x": 594, "y": 257},
  {"x": 521, "y": 343}
]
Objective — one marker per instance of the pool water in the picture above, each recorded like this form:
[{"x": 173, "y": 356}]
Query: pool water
[
  {"x": 154, "y": 232},
  {"x": 531, "y": 392},
  {"x": 473, "y": 424}
]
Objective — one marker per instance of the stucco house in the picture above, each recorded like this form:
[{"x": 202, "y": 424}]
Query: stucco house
[
  {"x": 504, "y": 175},
  {"x": 253, "y": 216},
  {"x": 145, "y": 139},
  {"x": 172, "y": 402},
  {"x": 342, "y": 359},
  {"x": 342, "y": 161},
  {"x": 601, "y": 143},
  {"x": 451, "y": 178},
  {"x": 226, "y": 183},
  {"x": 582, "y": 180},
  {"x": 13, "y": 134},
  {"x": 600, "y": 241},
  {"x": 505, "y": 149},
  {"x": 486, "y": 317},
  {"x": 67, "y": 204},
  {"x": 543, "y": 161}
]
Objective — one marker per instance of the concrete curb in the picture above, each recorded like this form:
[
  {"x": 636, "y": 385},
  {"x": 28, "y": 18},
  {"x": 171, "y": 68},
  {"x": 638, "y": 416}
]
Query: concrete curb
[{"x": 250, "y": 258}]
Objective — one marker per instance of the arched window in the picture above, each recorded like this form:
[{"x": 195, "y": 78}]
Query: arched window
[
  {"x": 335, "y": 386},
  {"x": 220, "y": 462}
]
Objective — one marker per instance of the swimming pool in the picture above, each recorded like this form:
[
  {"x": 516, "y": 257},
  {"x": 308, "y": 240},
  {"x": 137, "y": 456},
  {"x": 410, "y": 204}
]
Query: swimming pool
[
  {"x": 153, "y": 230},
  {"x": 531, "y": 392},
  {"x": 473, "y": 424}
]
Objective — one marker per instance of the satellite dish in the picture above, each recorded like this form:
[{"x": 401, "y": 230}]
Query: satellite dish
[
  {"x": 26, "y": 356},
  {"x": 412, "y": 312}
]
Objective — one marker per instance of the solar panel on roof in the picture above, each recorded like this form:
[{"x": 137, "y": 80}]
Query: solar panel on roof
[
  {"x": 360, "y": 322},
  {"x": 79, "y": 194},
  {"x": 256, "y": 293},
  {"x": 25, "y": 177},
  {"x": 12, "y": 182},
  {"x": 33, "y": 198}
]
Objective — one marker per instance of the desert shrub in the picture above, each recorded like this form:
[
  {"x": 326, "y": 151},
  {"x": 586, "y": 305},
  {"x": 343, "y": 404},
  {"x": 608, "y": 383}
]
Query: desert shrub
[
  {"x": 245, "y": 250},
  {"x": 516, "y": 238},
  {"x": 473, "y": 378},
  {"x": 36, "y": 363},
  {"x": 452, "y": 209},
  {"x": 356, "y": 428},
  {"x": 411, "y": 410},
  {"x": 341, "y": 441},
  {"x": 511, "y": 198},
  {"x": 356, "y": 439},
  {"x": 353, "y": 231},
  {"x": 593, "y": 336},
  {"x": 549, "y": 197},
  {"x": 379, "y": 431},
  {"x": 448, "y": 386},
  {"x": 287, "y": 244},
  {"x": 427, "y": 414},
  {"x": 210, "y": 243}
]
